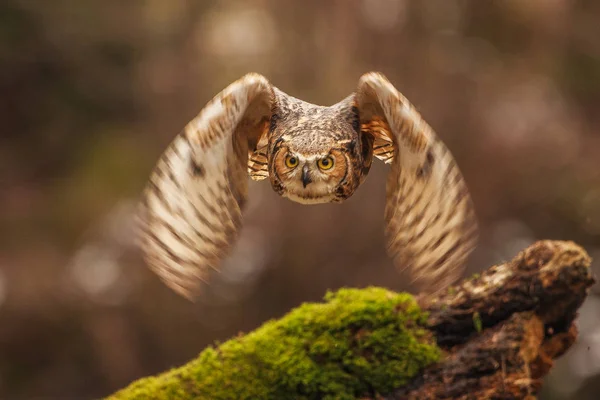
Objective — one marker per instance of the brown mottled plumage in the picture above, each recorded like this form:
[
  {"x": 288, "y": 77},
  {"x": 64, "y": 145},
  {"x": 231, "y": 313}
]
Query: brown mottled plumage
[{"x": 192, "y": 207}]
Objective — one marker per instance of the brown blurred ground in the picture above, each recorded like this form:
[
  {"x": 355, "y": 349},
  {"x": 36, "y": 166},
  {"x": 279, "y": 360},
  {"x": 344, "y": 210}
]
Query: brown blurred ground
[{"x": 92, "y": 92}]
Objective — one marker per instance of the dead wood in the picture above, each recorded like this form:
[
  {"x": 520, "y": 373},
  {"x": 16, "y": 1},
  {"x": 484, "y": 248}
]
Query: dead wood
[{"x": 503, "y": 329}]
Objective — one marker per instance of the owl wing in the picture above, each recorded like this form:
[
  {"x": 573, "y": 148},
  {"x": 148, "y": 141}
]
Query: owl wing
[
  {"x": 431, "y": 226},
  {"x": 192, "y": 207}
]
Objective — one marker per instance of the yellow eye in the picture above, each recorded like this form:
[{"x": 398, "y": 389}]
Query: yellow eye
[
  {"x": 291, "y": 161},
  {"x": 325, "y": 163}
]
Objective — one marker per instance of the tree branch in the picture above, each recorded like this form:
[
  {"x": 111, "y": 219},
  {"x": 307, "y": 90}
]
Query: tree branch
[
  {"x": 496, "y": 334},
  {"x": 504, "y": 328}
]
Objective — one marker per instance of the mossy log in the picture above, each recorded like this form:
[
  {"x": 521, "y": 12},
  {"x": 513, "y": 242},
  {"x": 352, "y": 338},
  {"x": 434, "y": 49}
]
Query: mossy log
[{"x": 494, "y": 336}]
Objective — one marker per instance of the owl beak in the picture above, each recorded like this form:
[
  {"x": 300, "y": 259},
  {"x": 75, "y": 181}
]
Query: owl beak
[{"x": 305, "y": 176}]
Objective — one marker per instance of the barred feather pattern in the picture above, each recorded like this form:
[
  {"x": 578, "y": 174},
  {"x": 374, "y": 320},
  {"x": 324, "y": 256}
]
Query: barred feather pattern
[
  {"x": 258, "y": 162},
  {"x": 192, "y": 207},
  {"x": 431, "y": 226},
  {"x": 383, "y": 145}
]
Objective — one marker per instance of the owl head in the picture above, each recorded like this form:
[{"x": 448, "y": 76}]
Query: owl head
[{"x": 317, "y": 154}]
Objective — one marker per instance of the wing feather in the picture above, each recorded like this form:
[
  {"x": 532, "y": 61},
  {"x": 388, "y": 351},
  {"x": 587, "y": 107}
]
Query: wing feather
[
  {"x": 431, "y": 226},
  {"x": 258, "y": 162},
  {"x": 192, "y": 206},
  {"x": 383, "y": 146}
]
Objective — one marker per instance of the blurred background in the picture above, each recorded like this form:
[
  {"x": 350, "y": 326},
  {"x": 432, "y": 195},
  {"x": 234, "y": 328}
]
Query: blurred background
[{"x": 91, "y": 92}]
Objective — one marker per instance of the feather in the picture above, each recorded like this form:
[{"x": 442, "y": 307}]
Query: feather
[
  {"x": 431, "y": 226},
  {"x": 191, "y": 210}
]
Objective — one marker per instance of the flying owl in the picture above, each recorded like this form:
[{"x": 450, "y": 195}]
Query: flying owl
[{"x": 191, "y": 211}]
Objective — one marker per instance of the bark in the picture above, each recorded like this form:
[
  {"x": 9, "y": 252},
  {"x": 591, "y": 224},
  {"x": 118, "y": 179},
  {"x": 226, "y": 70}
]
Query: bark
[
  {"x": 503, "y": 329},
  {"x": 498, "y": 334}
]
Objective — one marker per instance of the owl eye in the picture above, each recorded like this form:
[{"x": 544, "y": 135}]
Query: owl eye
[
  {"x": 325, "y": 163},
  {"x": 291, "y": 161}
]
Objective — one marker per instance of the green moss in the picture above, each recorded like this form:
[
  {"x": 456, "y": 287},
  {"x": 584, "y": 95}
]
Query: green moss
[{"x": 358, "y": 342}]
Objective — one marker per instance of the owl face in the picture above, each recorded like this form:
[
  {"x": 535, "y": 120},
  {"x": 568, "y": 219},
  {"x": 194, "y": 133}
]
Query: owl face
[
  {"x": 316, "y": 153},
  {"x": 311, "y": 177}
]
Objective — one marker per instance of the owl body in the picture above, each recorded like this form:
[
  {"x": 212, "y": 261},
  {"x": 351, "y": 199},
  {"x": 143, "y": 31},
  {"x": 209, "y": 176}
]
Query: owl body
[{"x": 191, "y": 212}]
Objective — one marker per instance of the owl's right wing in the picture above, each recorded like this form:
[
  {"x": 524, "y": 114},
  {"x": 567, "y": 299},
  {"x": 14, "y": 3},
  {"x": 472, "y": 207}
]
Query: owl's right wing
[
  {"x": 192, "y": 206},
  {"x": 431, "y": 225}
]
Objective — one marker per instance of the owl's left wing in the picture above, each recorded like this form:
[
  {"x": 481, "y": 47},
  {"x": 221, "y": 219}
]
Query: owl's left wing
[
  {"x": 431, "y": 226},
  {"x": 192, "y": 207}
]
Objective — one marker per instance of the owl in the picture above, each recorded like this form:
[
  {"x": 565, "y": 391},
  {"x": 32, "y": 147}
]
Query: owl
[{"x": 191, "y": 212}]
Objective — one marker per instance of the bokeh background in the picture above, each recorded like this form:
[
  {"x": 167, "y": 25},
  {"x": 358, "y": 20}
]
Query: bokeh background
[{"x": 91, "y": 92}]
